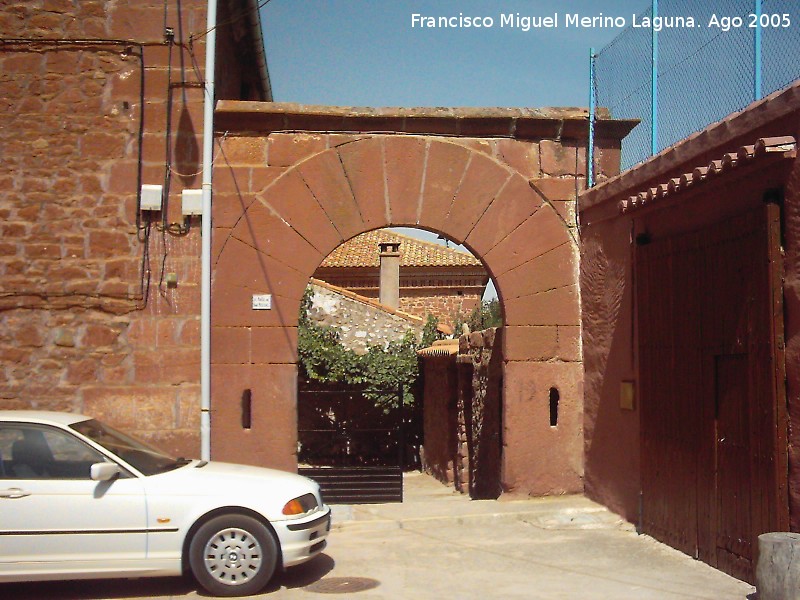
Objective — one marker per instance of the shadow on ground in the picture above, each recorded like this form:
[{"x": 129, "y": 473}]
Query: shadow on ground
[{"x": 157, "y": 587}]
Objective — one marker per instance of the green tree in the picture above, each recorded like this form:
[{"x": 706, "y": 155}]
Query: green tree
[
  {"x": 483, "y": 316},
  {"x": 430, "y": 332}
]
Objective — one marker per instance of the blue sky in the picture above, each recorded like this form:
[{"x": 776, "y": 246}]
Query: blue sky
[{"x": 366, "y": 53}]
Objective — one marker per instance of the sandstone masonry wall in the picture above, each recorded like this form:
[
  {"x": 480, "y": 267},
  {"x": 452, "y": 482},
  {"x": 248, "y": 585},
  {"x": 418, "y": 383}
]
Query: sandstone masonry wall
[
  {"x": 90, "y": 108},
  {"x": 284, "y": 201}
]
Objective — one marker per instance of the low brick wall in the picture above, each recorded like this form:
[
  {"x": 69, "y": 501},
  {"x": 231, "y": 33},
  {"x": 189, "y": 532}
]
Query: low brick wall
[
  {"x": 439, "y": 451},
  {"x": 462, "y": 414}
]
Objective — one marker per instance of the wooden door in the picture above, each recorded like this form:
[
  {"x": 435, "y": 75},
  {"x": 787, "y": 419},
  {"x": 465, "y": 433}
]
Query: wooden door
[{"x": 712, "y": 393}]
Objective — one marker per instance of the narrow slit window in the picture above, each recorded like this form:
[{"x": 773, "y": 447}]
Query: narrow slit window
[
  {"x": 554, "y": 398},
  {"x": 247, "y": 408}
]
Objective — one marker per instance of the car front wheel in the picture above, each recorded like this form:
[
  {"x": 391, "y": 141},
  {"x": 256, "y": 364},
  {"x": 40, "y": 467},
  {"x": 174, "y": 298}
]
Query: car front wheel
[{"x": 233, "y": 555}]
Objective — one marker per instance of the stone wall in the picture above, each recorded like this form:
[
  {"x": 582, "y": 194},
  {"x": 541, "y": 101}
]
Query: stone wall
[
  {"x": 439, "y": 454},
  {"x": 480, "y": 411},
  {"x": 360, "y": 322},
  {"x": 447, "y": 294},
  {"x": 502, "y": 182},
  {"x": 463, "y": 412},
  {"x": 88, "y": 321},
  {"x": 444, "y": 304},
  {"x": 445, "y": 307}
]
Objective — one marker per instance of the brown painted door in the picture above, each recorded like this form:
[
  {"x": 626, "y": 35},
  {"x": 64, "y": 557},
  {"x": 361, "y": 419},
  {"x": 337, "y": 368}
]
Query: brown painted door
[
  {"x": 733, "y": 544},
  {"x": 711, "y": 387}
]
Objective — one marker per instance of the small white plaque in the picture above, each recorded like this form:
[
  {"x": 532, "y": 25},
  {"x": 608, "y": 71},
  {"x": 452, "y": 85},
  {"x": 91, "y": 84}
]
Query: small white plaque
[{"x": 262, "y": 301}]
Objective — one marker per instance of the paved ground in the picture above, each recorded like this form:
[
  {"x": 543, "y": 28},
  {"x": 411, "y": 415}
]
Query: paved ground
[{"x": 438, "y": 544}]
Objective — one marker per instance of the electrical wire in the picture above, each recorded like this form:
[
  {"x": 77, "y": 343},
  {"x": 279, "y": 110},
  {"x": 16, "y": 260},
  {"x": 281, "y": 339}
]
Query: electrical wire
[
  {"x": 144, "y": 229},
  {"x": 45, "y": 44},
  {"x": 234, "y": 19}
]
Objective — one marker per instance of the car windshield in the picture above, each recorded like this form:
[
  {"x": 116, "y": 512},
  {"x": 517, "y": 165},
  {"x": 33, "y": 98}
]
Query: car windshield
[{"x": 145, "y": 458}]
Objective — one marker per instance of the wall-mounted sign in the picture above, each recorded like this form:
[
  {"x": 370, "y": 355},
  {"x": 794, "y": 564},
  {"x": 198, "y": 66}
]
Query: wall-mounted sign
[{"x": 262, "y": 301}]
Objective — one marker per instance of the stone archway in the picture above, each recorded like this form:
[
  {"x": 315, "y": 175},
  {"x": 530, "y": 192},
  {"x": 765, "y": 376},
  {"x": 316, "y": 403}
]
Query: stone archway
[{"x": 284, "y": 201}]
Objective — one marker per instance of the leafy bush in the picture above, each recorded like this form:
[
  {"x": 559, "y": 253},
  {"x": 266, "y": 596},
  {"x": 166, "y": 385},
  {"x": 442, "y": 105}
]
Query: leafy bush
[{"x": 323, "y": 359}]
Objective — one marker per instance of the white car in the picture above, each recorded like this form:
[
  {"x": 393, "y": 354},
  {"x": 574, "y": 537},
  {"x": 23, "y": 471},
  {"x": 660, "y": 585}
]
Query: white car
[{"x": 80, "y": 500}]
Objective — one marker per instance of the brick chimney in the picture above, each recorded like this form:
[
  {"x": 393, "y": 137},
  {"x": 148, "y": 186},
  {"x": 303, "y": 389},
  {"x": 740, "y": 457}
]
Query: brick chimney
[{"x": 389, "y": 285}]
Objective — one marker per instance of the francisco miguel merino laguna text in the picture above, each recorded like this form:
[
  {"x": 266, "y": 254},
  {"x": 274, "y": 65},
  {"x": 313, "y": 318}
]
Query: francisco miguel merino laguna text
[{"x": 528, "y": 22}]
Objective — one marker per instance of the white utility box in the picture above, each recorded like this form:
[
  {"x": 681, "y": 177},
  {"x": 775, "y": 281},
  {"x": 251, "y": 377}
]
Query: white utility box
[
  {"x": 191, "y": 202},
  {"x": 150, "y": 197}
]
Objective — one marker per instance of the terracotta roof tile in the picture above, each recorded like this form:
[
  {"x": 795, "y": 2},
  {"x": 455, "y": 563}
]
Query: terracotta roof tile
[
  {"x": 440, "y": 348},
  {"x": 781, "y": 147},
  {"x": 362, "y": 251}
]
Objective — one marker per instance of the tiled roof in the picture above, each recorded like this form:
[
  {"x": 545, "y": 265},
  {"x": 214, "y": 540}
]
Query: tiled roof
[
  {"x": 770, "y": 109},
  {"x": 440, "y": 348},
  {"x": 362, "y": 251},
  {"x": 781, "y": 147}
]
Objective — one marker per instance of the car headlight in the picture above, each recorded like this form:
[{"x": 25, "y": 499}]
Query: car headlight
[{"x": 300, "y": 505}]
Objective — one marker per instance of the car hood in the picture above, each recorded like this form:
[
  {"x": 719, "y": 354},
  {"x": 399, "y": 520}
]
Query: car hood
[{"x": 199, "y": 478}]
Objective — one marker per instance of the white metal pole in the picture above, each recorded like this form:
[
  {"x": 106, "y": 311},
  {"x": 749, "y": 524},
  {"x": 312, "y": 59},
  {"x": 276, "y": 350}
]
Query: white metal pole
[{"x": 205, "y": 232}]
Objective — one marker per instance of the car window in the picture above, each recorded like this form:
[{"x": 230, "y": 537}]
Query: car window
[
  {"x": 32, "y": 452},
  {"x": 147, "y": 459}
]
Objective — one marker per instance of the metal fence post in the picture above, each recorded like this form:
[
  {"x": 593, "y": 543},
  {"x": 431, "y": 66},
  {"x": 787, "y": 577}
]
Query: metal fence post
[
  {"x": 402, "y": 433},
  {"x": 654, "y": 87},
  {"x": 757, "y": 52},
  {"x": 592, "y": 102}
]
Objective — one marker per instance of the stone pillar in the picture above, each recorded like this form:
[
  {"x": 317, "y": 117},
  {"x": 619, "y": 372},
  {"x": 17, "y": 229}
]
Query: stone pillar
[{"x": 390, "y": 274}]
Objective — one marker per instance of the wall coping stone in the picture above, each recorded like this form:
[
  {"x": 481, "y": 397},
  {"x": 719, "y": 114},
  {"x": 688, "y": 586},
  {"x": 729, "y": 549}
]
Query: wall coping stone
[{"x": 522, "y": 123}]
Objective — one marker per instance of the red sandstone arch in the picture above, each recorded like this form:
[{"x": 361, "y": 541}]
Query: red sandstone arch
[{"x": 272, "y": 230}]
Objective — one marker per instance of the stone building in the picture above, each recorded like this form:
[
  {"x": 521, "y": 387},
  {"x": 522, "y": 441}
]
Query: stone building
[
  {"x": 361, "y": 321},
  {"x": 434, "y": 279},
  {"x": 667, "y": 326},
  {"x": 100, "y": 269},
  {"x": 99, "y": 299}
]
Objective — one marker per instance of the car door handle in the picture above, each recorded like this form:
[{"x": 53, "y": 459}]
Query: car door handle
[{"x": 13, "y": 493}]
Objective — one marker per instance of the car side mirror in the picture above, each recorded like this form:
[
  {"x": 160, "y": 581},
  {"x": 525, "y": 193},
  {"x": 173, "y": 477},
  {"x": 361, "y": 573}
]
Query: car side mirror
[{"x": 105, "y": 471}]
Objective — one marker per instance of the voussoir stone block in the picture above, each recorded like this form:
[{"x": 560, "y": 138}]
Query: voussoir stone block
[
  {"x": 325, "y": 177},
  {"x": 405, "y": 165},
  {"x": 446, "y": 165},
  {"x": 363, "y": 164}
]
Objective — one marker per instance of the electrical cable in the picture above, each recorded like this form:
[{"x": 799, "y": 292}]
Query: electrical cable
[
  {"x": 45, "y": 44},
  {"x": 234, "y": 19}
]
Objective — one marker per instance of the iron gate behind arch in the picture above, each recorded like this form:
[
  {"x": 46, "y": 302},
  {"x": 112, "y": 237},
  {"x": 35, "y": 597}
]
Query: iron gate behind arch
[{"x": 352, "y": 442}]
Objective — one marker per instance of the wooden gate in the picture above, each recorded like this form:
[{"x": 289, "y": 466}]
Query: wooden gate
[{"x": 711, "y": 383}]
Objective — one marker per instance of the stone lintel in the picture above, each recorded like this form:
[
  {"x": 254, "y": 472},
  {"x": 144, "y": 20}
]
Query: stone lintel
[{"x": 520, "y": 123}]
